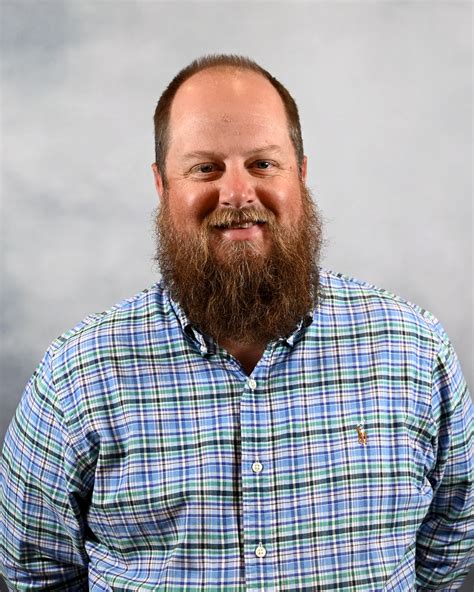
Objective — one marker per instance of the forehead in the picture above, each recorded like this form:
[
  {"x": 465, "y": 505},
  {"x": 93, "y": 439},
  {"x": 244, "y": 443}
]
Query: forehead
[{"x": 219, "y": 103}]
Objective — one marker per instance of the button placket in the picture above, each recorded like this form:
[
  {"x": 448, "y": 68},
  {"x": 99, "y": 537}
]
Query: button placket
[{"x": 256, "y": 476}]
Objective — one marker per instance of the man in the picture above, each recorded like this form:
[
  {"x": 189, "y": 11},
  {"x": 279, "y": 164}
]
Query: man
[{"x": 253, "y": 422}]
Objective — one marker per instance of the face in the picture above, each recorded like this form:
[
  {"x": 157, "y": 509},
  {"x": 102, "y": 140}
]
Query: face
[
  {"x": 229, "y": 151},
  {"x": 238, "y": 235}
]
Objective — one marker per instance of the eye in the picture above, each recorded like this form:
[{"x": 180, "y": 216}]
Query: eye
[
  {"x": 263, "y": 165},
  {"x": 205, "y": 167}
]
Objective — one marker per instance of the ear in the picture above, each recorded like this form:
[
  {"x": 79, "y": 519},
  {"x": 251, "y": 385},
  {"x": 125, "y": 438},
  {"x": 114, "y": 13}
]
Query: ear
[
  {"x": 304, "y": 168},
  {"x": 158, "y": 180}
]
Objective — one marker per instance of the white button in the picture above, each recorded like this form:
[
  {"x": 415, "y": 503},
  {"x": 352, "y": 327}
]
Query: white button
[
  {"x": 203, "y": 349},
  {"x": 252, "y": 384},
  {"x": 260, "y": 551},
  {"x": 257, "y": 467}
]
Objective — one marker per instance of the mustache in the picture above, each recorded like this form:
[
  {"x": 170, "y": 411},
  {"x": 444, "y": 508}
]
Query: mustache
[{"x": 229, "y": 217}]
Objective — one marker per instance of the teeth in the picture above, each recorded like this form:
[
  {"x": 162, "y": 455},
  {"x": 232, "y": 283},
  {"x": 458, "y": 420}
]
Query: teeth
[
  {"x": 241, "y": 225},
  {"x": 244, "y": 225}
]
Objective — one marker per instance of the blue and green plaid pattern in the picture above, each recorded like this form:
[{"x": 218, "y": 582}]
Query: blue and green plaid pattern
[{"x": 130, "y": 464}]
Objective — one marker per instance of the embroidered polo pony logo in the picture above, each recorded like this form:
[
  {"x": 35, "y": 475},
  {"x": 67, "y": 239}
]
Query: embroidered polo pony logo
[{"x": 362, "y": 434}]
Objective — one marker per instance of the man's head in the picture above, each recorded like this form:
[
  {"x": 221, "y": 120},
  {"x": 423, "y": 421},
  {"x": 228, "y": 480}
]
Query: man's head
[{"x": 238, "y": 233}]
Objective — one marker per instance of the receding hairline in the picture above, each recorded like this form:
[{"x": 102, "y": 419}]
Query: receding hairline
[
  {"x": 226, "y": 69},
  {"x": 237, "y": 68}
]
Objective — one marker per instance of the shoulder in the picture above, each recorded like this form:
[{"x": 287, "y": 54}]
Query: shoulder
[
  {"x": 135, "y": 320},
  {"x": 355, "y": 302}
]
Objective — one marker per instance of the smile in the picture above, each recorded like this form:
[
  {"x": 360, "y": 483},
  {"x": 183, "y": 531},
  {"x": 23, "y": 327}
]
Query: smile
[
  {"x": 246, "y": 231},
  {"x": 239, "y": 225}
]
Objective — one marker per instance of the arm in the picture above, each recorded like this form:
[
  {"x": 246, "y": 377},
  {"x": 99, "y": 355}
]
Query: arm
[
  {"x": 445, "y": 538},
  {"x": 41, "y": 523}
]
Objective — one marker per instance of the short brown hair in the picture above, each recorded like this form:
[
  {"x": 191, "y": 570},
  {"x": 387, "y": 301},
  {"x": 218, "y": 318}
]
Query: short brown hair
[{"x": 163, "y": 108}]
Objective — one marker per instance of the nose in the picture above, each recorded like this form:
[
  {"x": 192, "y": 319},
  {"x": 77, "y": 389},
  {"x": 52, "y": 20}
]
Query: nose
[{"x": 237, "y": 188}]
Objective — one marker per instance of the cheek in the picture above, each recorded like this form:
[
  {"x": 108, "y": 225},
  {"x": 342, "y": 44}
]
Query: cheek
[
  {"x": 188, "y": 207},
  {"x": 285, "y": 202}
]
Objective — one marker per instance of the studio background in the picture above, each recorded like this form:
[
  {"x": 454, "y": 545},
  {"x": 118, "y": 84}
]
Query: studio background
[{"x": 384, "y": 91}]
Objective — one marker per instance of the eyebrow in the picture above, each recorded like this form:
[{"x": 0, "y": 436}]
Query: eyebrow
[{"x": 212, "y": 154}]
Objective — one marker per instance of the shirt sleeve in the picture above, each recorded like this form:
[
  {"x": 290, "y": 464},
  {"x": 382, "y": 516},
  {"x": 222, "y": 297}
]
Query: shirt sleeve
[
  {"x": 41, "y": 522},
  {"x": 445, "y": 538}
]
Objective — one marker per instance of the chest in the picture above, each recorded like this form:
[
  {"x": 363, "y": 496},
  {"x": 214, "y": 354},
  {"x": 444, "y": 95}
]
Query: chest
[{"x": 317, "y": 425}]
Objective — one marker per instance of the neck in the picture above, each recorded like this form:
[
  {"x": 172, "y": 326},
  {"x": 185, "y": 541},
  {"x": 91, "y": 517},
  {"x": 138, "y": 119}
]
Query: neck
[{"x": 247, "y": 354}]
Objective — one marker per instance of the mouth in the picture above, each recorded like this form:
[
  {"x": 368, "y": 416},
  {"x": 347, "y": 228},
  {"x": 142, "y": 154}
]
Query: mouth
[
  {"x": 241, "y": 231},
  {"x": 241, "y": 225}
]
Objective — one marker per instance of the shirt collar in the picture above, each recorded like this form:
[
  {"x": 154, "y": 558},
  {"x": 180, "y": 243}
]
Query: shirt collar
[
  {"x": 205, "y": 343},
  {"x": 299, "y": 330}
]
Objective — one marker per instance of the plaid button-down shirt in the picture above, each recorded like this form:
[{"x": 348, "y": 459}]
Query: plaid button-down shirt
[{"x": 142, "y": 457}]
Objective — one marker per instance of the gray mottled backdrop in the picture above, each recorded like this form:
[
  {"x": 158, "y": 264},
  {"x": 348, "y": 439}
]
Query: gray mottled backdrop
[{"x": 384, "y": 90}]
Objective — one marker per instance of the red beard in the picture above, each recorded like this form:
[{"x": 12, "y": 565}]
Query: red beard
[{"x": 233, "y": 291}]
